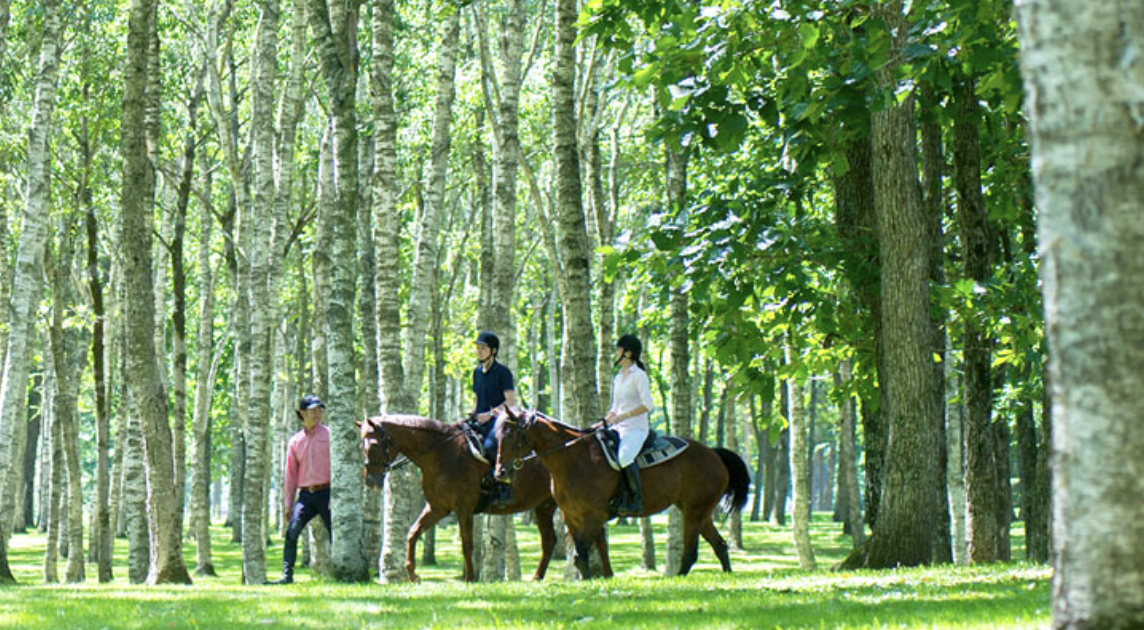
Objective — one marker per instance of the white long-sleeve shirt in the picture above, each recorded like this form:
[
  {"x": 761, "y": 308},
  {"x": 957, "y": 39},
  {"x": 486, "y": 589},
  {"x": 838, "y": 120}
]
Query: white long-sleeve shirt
[{"x": 630, "y": 389}]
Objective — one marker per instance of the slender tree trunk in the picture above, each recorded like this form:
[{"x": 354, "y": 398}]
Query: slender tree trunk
[
  {"x": 402, "y": 494},
  {"x": 854, "y": 213},
  {"x": 334, "y": 28},
  {"x": 955, "y": 462},
  {"x": 799, "y": 467},
  {"x": 981, "y": 470},
  {"x": 206, "y": 369},
  {"x": 676, "y": 176},
  {"x": 731, "y": 431},
  {"x": 103, "y": 536},
  {"x": 145, "y": 384},
  {"x": 581, "y": 403},
  {"x": 908, "y": 513},
  {"x": 847, "y": 458},
  {"x": 256, "y": 222},
  {"x": 26, "y": 280},
  {"x": 67, "y": 350},
  {"x": 55, "y": 462},
  {"x": 933, "y": 166}
]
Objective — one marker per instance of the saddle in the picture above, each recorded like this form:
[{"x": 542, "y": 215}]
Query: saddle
[
  {"x": 475, "y": 440},
  {"x": 656, "y": 449}
]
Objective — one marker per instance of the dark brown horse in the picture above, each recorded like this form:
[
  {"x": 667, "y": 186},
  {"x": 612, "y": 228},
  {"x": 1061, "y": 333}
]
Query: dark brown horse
[
  {"x": 451, "y": 480},
  {"x": 583, "y": 484}
]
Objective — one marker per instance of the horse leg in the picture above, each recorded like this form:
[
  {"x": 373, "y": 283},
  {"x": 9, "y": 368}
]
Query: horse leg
[
  {"x": 690, "y": 543},
  {"x": 602, "y": 547},
  {"x": 711, "y": 534},
  {"x": 544, "y": 513},
  {"x": 582, "y": 559},
  {"x": 427, "y": 519},
  {"x": 465, "y": 525}
]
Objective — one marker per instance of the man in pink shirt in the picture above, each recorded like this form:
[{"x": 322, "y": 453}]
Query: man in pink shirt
[{"x": 308, "y": 476}]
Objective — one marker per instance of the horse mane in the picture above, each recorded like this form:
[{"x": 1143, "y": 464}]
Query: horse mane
[
  {"x": 415, "y": 422},
  {"x": 560, "y": 423}
]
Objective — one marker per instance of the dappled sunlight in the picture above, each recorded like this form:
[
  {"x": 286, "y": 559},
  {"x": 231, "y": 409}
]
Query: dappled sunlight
[{"x": 767, "y": 590}]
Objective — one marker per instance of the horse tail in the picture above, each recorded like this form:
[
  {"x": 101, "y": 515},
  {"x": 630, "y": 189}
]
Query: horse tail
[{"x": 739, "y": 482}]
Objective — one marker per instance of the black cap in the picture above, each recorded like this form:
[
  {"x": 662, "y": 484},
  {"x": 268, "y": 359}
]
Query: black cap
[
  {"x": 489, "y": 339},
  {"x": 309, "y": 402}
]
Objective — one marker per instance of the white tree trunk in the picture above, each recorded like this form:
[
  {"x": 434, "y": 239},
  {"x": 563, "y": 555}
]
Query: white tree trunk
[
  {"x": 581, "y": 400},
  {"x": 334, "y": 33},
  {"x": 258, "y": 219},
  {"x": 800, "y": 466},
  {"x": 204, "y": 386},
  {"x": 955, "y": 462},
  {"x": 680, "y": 359},
  {"x": 1084, "y": 107},
  {"x": 146, "y": 384},
  {"x": 26, "y": 280}
]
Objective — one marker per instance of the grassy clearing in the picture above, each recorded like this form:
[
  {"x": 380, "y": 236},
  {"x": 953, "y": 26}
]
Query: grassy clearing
[{"x": 766, "y": 591}]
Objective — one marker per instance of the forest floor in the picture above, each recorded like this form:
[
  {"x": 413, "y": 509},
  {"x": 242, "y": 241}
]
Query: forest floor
[{"x": 767, "y": 590}]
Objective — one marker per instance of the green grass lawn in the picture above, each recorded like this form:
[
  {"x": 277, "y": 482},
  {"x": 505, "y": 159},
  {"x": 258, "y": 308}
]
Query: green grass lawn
[{"x": 766, "y": 591}]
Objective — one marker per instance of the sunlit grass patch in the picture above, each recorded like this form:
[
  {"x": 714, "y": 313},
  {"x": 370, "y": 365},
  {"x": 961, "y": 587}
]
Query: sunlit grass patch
[{"x": 766, "y": 591}]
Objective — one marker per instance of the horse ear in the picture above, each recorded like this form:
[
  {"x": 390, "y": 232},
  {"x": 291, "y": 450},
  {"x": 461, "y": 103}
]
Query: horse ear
[{"x": 357, "y": 423}]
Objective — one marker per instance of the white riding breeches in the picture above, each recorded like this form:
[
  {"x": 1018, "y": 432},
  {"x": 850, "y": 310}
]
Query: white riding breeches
[{"x": 630, "y": 443}]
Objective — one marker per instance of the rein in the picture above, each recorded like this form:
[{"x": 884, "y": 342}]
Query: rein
[
  {"x": 519, "y": 462},
  {"x": 402, "y": 459}
]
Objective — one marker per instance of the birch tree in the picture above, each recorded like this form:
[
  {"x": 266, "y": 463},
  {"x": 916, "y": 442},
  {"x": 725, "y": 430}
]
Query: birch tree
[
  {"x": 26, "y": 279},
  {"x": 1083, "y": 101},
  {"x": 680, "y": 356},
  {"x": 258, "y": 219},
  {"x": 580, "y": 401},
  {"x": 800, "y": 464},
  {"x": 334, "y": 28},
  {"x": 146, "y": 385},
  {"x": 67, "y": 344}
]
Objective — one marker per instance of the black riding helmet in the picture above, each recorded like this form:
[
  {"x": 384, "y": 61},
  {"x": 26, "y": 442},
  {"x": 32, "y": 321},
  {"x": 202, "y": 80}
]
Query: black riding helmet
[
  {"x": 489, "y": 339},
  {"x": 632, "y": 344}
]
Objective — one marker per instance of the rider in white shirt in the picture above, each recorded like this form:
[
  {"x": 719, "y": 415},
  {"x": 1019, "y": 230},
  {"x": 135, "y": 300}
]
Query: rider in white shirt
[{"x": 631, "y": 402}]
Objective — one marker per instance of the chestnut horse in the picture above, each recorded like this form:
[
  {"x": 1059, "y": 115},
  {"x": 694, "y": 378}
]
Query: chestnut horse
[
  {"x": 583, "y": 484},
  {"x": 451, "y": 480}
]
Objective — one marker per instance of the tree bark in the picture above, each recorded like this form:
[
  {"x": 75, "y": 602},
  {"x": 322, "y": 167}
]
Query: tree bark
[
  {"x": 847, "y": 459},
  {"x": 981, "y": 469},
  {"x": 1085, "y": 126},
  {"x": 26, "y": 280},
  {"x": 334, "y": 26},
  {"x": 146, "y": 385},
  {"x": 206, "y": 370},
  {"x": 910, "y": 502},
  {"x": 255, "y": 223},
  {"x": 580, "y": 400},
  {"x": 67, "y": 352},
  {"x": 800, "y": 464}
]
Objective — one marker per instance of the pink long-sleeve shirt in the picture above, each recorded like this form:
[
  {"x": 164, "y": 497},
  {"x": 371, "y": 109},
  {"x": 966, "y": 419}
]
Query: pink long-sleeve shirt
[{"x": 307, "y": 461}]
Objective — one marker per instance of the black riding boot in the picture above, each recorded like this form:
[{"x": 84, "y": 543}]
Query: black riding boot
[
  {"x": 287, "y": 576},
  {"x": 632, "y": 496}
]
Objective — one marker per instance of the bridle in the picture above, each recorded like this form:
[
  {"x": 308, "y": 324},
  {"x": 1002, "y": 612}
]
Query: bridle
[
  {"x": 386, "y": 442},
  {"x": 529, "y": 419}
]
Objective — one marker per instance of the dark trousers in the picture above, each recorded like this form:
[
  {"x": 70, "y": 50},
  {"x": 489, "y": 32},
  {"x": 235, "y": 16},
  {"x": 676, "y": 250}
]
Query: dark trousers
[{"x": 308, "y": 505}]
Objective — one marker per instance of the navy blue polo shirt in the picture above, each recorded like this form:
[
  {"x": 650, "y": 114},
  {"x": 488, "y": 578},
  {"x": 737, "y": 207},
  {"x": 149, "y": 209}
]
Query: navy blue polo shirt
[{"x": 490, "y": 386}]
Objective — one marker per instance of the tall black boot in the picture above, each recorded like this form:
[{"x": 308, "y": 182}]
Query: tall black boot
[
  {"x": 287, "y": 576},
  {"x": 632, "y": 502}
]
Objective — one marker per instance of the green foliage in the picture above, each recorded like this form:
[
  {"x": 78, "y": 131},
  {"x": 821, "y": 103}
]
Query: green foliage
[{"x": 766, "y": 591}]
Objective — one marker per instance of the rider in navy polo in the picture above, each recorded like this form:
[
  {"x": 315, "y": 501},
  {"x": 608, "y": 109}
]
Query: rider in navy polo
[{"x": 493, "y": 387}]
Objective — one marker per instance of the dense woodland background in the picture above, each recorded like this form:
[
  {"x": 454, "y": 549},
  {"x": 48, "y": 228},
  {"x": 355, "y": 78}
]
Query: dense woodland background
[{"x": 819, "y": 216}]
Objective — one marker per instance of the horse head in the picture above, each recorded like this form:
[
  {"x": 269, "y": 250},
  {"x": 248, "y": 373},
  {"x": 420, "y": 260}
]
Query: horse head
[
  {"x": 512, "y": 434},
  {"x": 378, "y": 451}
]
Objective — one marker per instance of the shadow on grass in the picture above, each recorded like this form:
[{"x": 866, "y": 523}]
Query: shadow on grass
[{"x": 764, "y": 592}]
